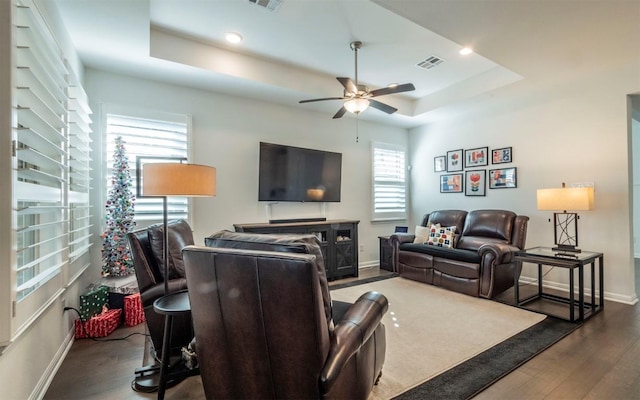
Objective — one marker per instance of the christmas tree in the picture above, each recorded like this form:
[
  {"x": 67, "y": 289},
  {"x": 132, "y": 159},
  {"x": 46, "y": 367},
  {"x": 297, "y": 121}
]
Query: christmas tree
[{"x": 116, "y": 255}]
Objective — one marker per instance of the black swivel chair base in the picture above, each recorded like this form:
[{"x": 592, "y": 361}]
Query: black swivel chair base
[{"x": 147, "y": 378}]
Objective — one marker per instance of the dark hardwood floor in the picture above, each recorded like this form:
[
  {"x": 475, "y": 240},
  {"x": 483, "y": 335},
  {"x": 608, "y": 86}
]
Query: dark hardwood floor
[{"x": 600, "y": 360}]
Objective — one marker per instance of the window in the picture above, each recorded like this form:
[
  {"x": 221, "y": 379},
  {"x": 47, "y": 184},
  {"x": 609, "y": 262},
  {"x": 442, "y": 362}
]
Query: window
[
  {"x": 148, "y": 137},
  {"x": 49, "y": 175},
  {"x": 389, "y": 185}
]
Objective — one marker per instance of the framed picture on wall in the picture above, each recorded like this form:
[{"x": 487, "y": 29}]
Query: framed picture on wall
[
  {"x": 503, "y": 178},
  {"x": 501, "y": 156},
  {"x": 475, "y": 182},
  {"x": 439, "y": 164},
  {"x": 476, "y": 157},
  {"x": 451, "y": 183},
  {"x": 454, "y": 161}
]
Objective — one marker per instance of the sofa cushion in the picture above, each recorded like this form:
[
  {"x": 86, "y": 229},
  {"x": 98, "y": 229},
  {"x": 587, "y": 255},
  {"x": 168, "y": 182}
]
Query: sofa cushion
[
  {"x": 496, "y": 224},
  {"x": 441, "y": 236},
  {"x": 447, "y": 218},
  {"x": 436, "y": 251},
  {"x": 180, "y": 236},
  {"x": 422, "y": 234}
]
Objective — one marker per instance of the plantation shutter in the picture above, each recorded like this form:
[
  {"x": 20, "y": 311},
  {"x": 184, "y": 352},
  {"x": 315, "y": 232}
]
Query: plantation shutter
[
  {"x": 41, "y": 152},
  {"x": 389, "y": 182},
  {"x": 148, "y": 138}
]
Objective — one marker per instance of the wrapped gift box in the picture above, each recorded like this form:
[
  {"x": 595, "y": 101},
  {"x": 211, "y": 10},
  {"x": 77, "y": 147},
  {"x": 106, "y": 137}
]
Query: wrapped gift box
[
  {"x": 100, "y": 325},
  {"x": 91, "y": 303},
  {"x": 133, "y": 310}
]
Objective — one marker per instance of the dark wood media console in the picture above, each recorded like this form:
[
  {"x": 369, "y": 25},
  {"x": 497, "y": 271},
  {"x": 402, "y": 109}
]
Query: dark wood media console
[{"x": 338, "y": 240}]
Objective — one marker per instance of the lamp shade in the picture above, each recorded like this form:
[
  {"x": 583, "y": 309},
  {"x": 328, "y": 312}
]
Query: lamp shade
[
  {"x": 173, "y": 179},
  {"x": 356, "y": 106},
  {"x": 562, "y": 199}
]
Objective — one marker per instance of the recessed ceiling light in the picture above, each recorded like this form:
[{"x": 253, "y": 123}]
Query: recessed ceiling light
[
  {"x": 466, "y": 51},
  {"x": 233, "y": 37}
]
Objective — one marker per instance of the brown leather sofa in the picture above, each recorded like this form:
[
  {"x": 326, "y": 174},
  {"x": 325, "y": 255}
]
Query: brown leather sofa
[
  {"x": 481, "y": 262},
  {"x": 146, "y": 250},
  {"x": 266, "y": 327}
]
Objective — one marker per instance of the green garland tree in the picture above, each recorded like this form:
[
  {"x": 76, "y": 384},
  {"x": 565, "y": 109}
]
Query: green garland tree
[{"x": 119, "y": 217}]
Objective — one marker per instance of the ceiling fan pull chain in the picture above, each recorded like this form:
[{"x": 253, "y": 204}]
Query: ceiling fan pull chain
[{"x": 357, "y": 128}]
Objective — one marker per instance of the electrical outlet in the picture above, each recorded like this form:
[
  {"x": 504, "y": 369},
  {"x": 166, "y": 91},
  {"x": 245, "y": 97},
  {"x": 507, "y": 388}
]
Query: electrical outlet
[{"x": 361, "y": 248}]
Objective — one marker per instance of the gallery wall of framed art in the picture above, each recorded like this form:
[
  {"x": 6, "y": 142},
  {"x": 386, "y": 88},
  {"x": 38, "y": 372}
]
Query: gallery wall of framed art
[{"x": 462, "y": 172}]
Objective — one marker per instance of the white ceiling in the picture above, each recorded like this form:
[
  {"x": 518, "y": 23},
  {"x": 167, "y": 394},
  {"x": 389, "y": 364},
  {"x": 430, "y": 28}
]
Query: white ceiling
[{"x": 296, "y": 52}]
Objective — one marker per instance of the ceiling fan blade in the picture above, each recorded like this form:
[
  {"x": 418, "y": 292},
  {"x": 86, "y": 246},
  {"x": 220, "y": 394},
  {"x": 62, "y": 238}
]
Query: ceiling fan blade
[
  {"x": 348, "y": 84},
  {"x": 323, "y": 99},
  {"x": 407, "y": 87},
  {"x": 382, "y": 107},
  {"x": 340, "y": 113}
]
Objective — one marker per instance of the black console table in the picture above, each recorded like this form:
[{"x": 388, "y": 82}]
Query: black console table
[{"x": 338, "y": 241}]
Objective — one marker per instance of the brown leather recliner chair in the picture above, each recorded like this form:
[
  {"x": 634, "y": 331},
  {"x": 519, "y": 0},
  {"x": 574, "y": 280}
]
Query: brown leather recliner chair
[
  {"x": 146, "y": 250},
  {"x": 263, "y": 329}
]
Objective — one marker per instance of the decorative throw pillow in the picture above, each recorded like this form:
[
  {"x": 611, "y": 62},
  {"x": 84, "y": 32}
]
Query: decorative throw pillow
[
  {"x": 422, "y": 234},
  {"x": 441, "y": 236}
]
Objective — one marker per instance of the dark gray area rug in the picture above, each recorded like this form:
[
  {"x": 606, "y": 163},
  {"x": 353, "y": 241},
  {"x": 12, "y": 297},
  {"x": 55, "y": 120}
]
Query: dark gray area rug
[{"x": 473, "y": 376}]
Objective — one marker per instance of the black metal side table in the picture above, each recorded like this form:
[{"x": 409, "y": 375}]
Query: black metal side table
[
  {"x": 573, "y": 262},
  {"x": 171, "y": 305}
]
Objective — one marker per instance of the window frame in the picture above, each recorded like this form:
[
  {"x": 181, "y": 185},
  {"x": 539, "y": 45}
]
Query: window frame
[
  {"x": 144, "y": 114},
  {"x": 397, "y": 215}
]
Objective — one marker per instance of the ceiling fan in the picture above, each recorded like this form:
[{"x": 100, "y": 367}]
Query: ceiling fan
[{"x": 358, "y": 97}]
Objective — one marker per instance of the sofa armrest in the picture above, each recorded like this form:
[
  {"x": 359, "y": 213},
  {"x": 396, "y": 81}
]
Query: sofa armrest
[
  {"x": 496, "y": 268},
  {"x": 501, "y": 253},
  {"x": 399, "y": 238},
  {"x": 355, "y": 328}
]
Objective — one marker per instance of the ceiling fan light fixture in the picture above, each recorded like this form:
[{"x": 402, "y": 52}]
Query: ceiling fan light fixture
[{"x": 356, "y": 106}]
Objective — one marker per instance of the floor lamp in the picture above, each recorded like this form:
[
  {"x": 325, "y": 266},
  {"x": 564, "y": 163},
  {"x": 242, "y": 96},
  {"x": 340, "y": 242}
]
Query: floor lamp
[
  {"x": 161, "y": 178},
  {"x": 565, "y": 234}
]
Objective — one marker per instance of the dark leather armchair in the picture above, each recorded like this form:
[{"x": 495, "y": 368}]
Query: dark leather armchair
[
  {"x": 263, "y": 329},
  {"x": 146, "y": 250}
]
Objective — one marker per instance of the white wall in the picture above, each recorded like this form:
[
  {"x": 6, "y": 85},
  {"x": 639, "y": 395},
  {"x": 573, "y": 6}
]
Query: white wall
[
  {"x": 226, "y": 134},
  {"x": 576, "y": 132}
]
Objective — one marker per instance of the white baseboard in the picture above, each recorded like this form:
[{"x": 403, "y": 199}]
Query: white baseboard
[
  {"x": 368, "y": 264},
  {"x": 47, "y": 377},
  {"x": 563, "y": 287}
]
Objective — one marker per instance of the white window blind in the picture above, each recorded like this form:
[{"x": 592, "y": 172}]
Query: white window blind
[
  {"x": 42, "y": 153},
  {"x": 389, "y": 185},
  {"x": 151, "y": 138},
  {"x": 79, "y": 173}
]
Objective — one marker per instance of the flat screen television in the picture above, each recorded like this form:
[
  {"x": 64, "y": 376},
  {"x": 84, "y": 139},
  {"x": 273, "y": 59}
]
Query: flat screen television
[{"x": 288, "y": 173}]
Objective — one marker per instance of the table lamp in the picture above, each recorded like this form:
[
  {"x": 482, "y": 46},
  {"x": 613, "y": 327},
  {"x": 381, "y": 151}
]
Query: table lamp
[{"x": 565, "y": 234}]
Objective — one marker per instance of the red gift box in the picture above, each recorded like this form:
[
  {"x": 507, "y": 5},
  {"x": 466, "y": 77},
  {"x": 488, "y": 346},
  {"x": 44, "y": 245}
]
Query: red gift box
[
  {"x": 133, "y": 310},
  {"x": 99, "y": 326}
]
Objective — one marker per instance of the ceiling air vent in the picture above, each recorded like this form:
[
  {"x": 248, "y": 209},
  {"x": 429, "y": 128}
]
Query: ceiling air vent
[
  {"x": 270, "y": 5},
  {"x": 430, "y": 62}
]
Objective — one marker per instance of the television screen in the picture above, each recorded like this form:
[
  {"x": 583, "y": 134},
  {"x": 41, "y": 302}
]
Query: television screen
[{"x": 288, "y": 173}]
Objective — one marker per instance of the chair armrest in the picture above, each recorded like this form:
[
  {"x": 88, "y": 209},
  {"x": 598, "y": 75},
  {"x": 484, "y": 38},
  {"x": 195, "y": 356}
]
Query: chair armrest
[
  {"x": 501, "y": 253},
  {"x": 157, "y": 290},
  {"x": 355, "y": 328}
]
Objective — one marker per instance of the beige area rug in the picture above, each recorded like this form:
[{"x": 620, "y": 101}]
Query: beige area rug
[{"x": 430, "y": 330}]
